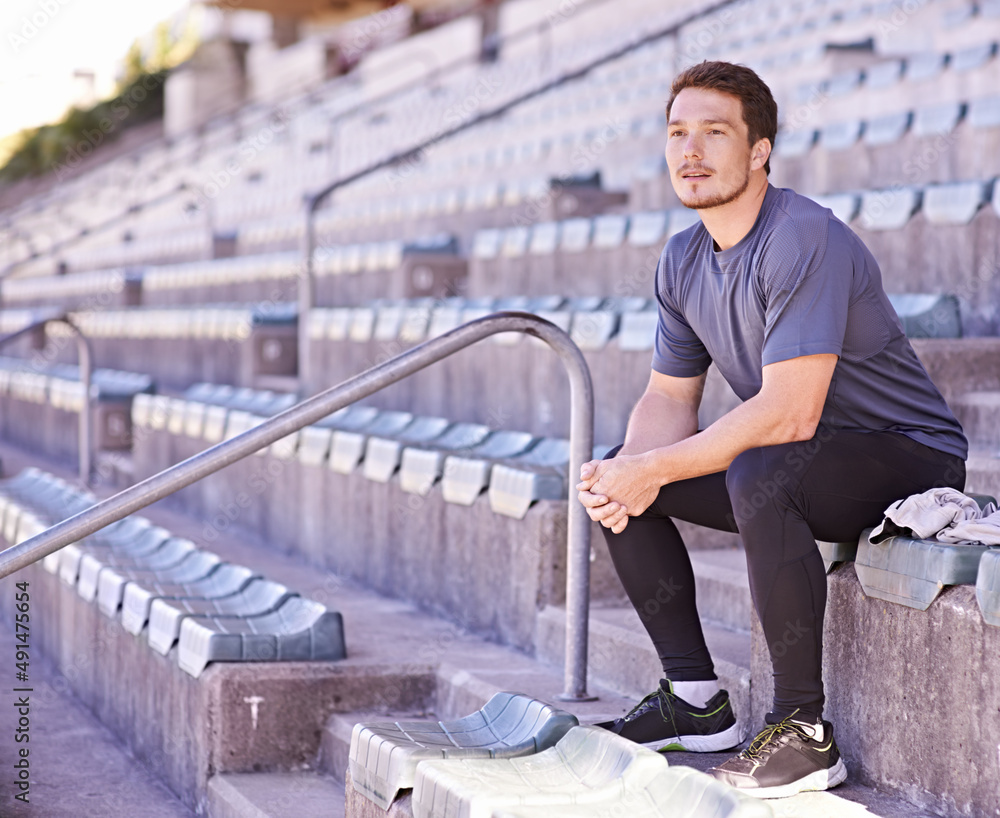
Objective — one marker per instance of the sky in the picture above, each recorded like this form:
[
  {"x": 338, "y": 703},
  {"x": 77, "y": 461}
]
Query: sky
[{"x": 43, "y": 42}]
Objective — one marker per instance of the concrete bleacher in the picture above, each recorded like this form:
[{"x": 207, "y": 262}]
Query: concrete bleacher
[{"x": 433, "y": 516}]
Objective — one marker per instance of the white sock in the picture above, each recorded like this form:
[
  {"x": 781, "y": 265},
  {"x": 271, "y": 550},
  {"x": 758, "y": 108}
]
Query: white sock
[
  {"x": 696, "y": 694},
  {"x": 815, "y": 730}
]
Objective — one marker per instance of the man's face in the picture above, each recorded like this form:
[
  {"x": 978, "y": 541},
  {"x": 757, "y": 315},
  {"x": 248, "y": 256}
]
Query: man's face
[{"x": 707, "y": 151}]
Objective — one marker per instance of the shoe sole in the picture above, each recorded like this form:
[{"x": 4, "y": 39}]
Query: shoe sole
[
  {"x": 814, "y": 782},
  {"x": 714, "y": 743}
]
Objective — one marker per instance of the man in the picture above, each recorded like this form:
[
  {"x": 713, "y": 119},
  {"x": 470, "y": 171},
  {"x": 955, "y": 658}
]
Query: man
[{"x": 838, "y": 420}]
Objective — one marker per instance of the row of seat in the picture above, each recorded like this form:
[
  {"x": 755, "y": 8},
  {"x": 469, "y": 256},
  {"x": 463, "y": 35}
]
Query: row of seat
[
  {"x": 60, "y": 385},
  {"x": 514, "y": 469},
  {"x": 213, "y": 610},
  {"x": 935, "y": 120},
  {"x": 523, "y": 758}
]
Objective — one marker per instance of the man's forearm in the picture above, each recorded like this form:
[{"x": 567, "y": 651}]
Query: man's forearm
[
  {"x": 658, "y": 421},
  {"x": 750, "y": 425}
]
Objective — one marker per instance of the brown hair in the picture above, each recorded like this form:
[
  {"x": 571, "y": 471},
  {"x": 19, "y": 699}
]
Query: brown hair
[{"x": 760, "y": 111}]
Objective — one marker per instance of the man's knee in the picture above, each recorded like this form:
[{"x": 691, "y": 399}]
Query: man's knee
[{"x": 756, "y": 478}]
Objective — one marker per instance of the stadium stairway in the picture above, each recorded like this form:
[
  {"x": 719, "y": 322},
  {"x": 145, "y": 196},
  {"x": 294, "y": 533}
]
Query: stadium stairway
[{"x": 401, "y": 662}]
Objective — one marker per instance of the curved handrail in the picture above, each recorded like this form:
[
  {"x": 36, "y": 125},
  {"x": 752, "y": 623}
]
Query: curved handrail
[
  {"x": 360, "y": 386},
  {"x": 85, "y": 358}
]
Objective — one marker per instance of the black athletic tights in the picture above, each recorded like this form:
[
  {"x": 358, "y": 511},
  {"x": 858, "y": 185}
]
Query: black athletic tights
[{"x": 780, "y": 499}]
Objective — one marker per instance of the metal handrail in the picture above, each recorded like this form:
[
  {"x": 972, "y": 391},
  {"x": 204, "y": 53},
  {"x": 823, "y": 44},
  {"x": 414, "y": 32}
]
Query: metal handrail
[
  {"x": 360, "y": 386},
  {"x": 85, "y": 358}
]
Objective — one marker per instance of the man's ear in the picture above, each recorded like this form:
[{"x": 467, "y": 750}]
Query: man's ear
[{"x": 759, "y": 154}]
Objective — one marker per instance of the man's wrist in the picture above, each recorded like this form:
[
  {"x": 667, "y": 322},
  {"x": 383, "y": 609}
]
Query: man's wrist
[{"x": 655, "y": 465}]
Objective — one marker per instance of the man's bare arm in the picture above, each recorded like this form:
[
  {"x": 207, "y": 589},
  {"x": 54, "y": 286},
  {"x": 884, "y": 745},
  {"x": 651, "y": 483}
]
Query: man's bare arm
[
  {"x": 787, "y": 408},
  {"x": 666, "y": 413}
]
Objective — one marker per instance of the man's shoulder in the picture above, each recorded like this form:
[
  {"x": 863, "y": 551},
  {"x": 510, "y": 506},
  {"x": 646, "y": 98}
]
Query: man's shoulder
[{"x": 792, "y": 213}]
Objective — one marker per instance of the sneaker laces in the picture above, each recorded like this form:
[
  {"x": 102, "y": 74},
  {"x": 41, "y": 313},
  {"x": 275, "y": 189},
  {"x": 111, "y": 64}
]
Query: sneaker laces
[
  {"x": 659, "y": 696},
  {"x": 766, "y": 741}
]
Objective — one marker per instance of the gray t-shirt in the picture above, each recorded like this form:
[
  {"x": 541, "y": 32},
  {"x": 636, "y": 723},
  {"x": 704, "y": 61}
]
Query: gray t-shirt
[{"x": 799, "y": 283}]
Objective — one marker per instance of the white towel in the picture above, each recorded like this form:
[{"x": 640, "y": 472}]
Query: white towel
[{"x": 943, "y": 514}]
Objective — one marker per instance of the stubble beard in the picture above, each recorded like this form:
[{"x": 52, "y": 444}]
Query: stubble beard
[{"x": 719, "y": 199}]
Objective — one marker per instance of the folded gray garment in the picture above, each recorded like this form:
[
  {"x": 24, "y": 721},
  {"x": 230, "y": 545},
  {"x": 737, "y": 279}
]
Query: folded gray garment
[{"x": 942, "y": 514}]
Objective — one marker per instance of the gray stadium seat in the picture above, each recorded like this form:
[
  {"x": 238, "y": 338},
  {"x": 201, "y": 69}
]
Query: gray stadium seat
[
  {"x": 889, "y": 209},
  {"x": 539, "y": 474},
  {"x": 926, "y": 315},
  {"x": 382, "y": 455},
  {"x": 936, "y": 120},
  {"x": 384, "y": 755},
  {"x": 969, "y": 59},
  {"x": 791, "y": 144},
  {"x": 224, "y": 580},
  {"x": 464, "y": 477},
  {"x": 845, "y": 206},
  {"x": 300, "y": 630},
  {"x": 647, "y": 229},
  {"x": 348, "y": 448},
  {"x": 589, "y": 772},
  {"x": 988, "y": 586},
  {"x": 925, "y": 66},
  {"x": 883, "y": 74},
  {"x": 887, "y": 129},
  {"x": 420, "y": 468},
  {"x": 985, "y": 112},
  {"x": 195, "y": 565},
  {"x": 954, "y": 203},
  {"x": 841, "y": 136},
  {"x": 259, "y": 596}
]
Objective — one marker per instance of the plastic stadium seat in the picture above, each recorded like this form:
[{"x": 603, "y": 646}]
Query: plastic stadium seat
[
  {"x": 544, "y": 238},
  {"x": 111, "y": 583},
  {"x": 935, "y": 120},
  {"x": 988, "y": 586},
  {"x": 969, "y": 59},
  {"x": 539, "y": 474},
  {"x": 515, "y": 242},
  {"x": 637, "y": 330},
  {"x": 384, "y": 755},
  {"x": 258, "y": 597},
  {"x": 954, "y": 203},
  {"x": 913, "y": 572},
  {"x": 985, "y": 112},
  {"x": 420, "y": 468},
  {"x": 791, "y": 144},
  {"x": 593, "y": 329},
  {"x": 889, "y": 209},
  {"x": 382, "y": 455},
  {"x": 845, "y": 206},
  {"x": 681, "y": 218},
  {"x": 166, "y": 554},
  {"x": 575, "y": 235},
  {"x": 928, "y": 315},
  {"x": 464, "y": 477},
  {"x": 589, "y": 772},
  {"x": 609, "y": 231},
  {"x": 225, "y": 580},
  {"x": 347, "y": 448},
  {"x": 925, "y": 66},
  {"x": 883, "y": 74},
  {"x": 647, "y": 229},
  {"x": 300, "y": 630},
  {"x": 840, "y": 136},
  {"x": 887, "y": 129}
]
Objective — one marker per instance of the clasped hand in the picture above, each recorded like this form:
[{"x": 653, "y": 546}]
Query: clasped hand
[{"x": 616, "y": 489}]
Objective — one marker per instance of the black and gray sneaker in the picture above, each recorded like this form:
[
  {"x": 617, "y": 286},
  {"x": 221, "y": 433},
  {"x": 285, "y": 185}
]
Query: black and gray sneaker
[
  {"x": 785, "y": 759},
  {"x": 663, "y": 721}
]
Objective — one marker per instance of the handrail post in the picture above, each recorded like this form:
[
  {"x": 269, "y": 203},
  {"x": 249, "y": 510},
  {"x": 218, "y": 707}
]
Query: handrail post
[
  {"x": 85, "y": 358},
  {"x": 350, "y": 391}
]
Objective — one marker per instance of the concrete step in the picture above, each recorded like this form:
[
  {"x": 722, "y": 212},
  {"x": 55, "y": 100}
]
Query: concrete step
[
  {"x": 275, "y": 795},
  {"x": 979, "y": 414}
]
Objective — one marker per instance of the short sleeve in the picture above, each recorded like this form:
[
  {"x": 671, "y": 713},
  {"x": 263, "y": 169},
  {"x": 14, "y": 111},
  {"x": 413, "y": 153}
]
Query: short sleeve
[
  {"x": 807, "y": 283},
  {"x": 677, "y": 350}
]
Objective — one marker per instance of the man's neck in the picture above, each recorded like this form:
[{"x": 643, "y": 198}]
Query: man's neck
[{"x": 728, "y": 224}]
